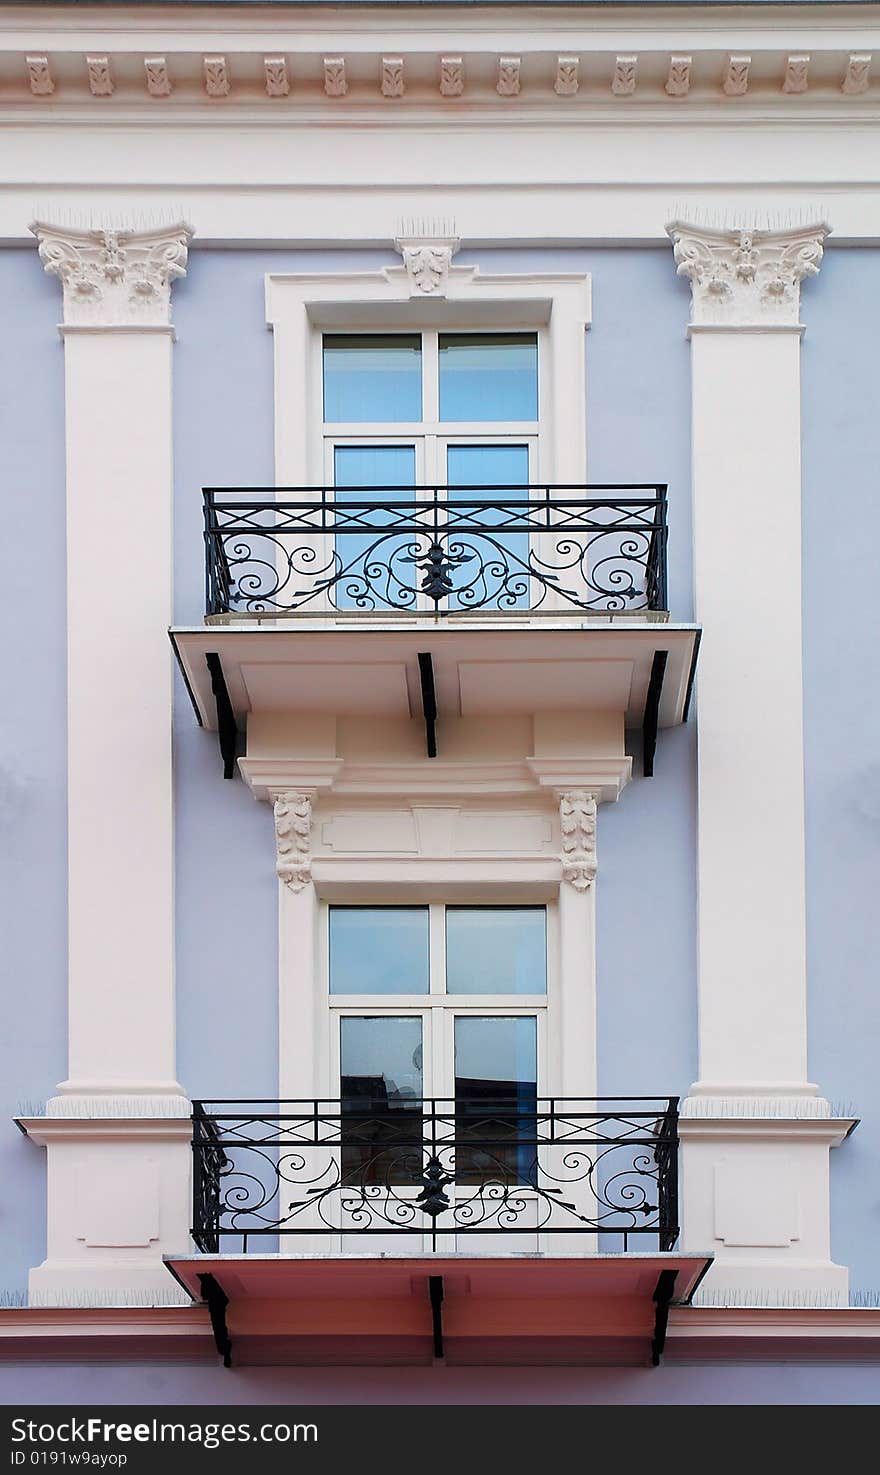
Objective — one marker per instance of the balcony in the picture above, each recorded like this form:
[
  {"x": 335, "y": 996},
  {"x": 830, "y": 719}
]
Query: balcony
[
  {"x": 363, "y": 1230},
  {"x": 438, "y": 604},
  {"x": 436, "y": 550}
]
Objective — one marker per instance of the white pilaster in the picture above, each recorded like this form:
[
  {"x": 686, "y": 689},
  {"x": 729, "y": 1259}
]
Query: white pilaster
[
  {"x": 761, "y": 1200},
  {"x": 117, "y": 343},
  {"x": 301, "y": 1028}
]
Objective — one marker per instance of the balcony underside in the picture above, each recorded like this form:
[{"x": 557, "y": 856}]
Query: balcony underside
[
  {"x": 375, "y": 668},
  {"x": 471, "y": 1309}
]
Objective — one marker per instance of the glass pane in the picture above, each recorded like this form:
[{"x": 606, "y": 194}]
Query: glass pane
[
  {"x": 372, "y": 377},
  {"x": 378, "y": 950},
  {"x": 496, "y": 1094},
  {"x": 381, "y": 1088},
  {"x": 488, "y": 376},
  {"x": 496, "y": 950},
  {"x": 493, "y": 573},
  {"x": 373, "y": 569}
]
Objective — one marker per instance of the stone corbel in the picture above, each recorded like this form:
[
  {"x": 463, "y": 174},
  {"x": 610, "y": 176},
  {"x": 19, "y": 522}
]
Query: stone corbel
[
  {"x": 115, "y": 278},
  {"x": 427, "y": 260},
  {"x": 747, "y": 278},
  {"x": 577, "y": 818},
  {"x": 293, "y": 838}
]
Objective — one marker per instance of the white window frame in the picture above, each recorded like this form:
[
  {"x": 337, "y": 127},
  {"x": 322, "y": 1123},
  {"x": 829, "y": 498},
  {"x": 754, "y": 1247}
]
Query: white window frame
[{"x": 301, "y": 306}]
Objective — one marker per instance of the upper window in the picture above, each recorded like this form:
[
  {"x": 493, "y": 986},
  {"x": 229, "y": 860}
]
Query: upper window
[{"x": 448, "y": 378}]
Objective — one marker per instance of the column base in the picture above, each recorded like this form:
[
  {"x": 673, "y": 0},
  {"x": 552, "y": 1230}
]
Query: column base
[
  {"x": 119, "y": 1199},
  {"x": 756, "y": 1195}
]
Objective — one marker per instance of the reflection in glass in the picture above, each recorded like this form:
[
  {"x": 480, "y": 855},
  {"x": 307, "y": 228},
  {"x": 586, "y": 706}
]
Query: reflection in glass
[
  {"x": 496, "y": 1094},
  {"x": 381, "y": 1089},
  {"x": 488, "y": 376},
  {"x": 378, "y": 950},
  {"x": 368, "y": 474},
  {"x": 372, "y": 377},
  {"x": 496, "y": 950},
  {"x": 490, "y": 474}
]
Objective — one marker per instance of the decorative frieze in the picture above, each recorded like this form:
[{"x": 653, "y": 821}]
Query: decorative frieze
[
  {"x": 744, "y": 278},
  {"x": 796, "y": 77},
  {"x": 277, "y": 77},
  {"x": 577, "y": 818},
  {"x": 100, "y": 79},
  {"x": 115, "y": 278},
  {"x": 451, "y": 76},
  {"x": 216, "y": 75},
  {"x": 857, "y": 75},
  {"x": 678, "y": 80},
  {"x": 567, "y": 76},
  {"x": 393, "y": 84},
  {"x": 293, "y": 838},
  {"x": 157, "y": 76},
  {"x": 626, "y": 75},
  {"x": 39, "y": 75},
  {"x": 335, "y": 84},
  {"x": 736, "y": 76},
  {"x": 508, "y": 80},
  {"x": 427, "y": 259}
]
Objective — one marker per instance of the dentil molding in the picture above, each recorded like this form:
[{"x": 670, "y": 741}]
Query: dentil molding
[
  {"x": 293, "y": 838},
  {"x": 746, "y": 278},
  {"x": 115, "y": 278},
  {"x": 577, "y": 818}
]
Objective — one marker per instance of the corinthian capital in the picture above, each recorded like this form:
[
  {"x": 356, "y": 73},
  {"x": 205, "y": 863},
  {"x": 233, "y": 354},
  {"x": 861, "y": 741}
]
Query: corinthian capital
[
  {"x": 577, "y": 817},
  {"x": 746, "y": 278},
  {"x": 115, "y": 278},
  {"x": 293, "y": 838}
]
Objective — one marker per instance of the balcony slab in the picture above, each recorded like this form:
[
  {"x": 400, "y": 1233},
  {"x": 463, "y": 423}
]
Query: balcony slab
[{"x": 513, "y": 1309}]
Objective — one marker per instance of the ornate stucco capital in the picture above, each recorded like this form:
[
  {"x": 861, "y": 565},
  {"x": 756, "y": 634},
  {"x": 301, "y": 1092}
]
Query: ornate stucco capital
[
  {"x": 427, "y": 258},
  {"x": 293, "y": 838},
  {"x": 115, "y": 278},
  {"x": 746, "y": 278},
  {"x": 577, "y": 818}
]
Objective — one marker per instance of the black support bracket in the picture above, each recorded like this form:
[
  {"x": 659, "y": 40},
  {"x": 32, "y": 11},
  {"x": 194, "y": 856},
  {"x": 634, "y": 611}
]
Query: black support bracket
[
  {"x": 652, "y": 711},
  {"x": 429, "y": 700},
  {"x": 662, "y": 1297},
  {"x": 435, "y": 1295},
  {"x": 217, "y": 1300},
  {"x": 227, "y": 727}
]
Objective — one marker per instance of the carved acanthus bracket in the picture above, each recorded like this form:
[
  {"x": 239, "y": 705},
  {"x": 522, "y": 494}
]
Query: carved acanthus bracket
[
  {"x": 577, "y": 817},
  {"x": 293, "y": 842},
  {"x": 427, "y": 259},
  {"x": 115, "y": 278},
  {"x": 747, "y": 278}
]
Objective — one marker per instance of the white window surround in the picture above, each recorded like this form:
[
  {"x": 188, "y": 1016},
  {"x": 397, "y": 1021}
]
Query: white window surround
[
  {"x": 305, "y": 1008},
  {"x": 300, "y": 306}
]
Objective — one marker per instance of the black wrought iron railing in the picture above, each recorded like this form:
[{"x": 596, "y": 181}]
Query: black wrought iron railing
[
  {"x": 433, "y": 1171},
  {"x": 442, "y": 549}
]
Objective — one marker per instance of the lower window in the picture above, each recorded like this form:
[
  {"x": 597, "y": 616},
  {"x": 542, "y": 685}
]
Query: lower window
[{"x": 455, "y": 1058}]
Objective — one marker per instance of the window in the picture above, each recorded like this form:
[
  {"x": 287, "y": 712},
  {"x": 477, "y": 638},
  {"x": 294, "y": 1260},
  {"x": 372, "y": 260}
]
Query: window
[
  {"x": 464, "y": 1028},
  {"x": 409, "y": 418}
]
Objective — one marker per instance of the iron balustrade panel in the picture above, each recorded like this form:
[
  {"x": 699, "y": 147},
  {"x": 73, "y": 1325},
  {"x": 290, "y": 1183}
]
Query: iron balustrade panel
[
  {"x": 428, "y": 1168},
  {"x": 278, "y": 551}
]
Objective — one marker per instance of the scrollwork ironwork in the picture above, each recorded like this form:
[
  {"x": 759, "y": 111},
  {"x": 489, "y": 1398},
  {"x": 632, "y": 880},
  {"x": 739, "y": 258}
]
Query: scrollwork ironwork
[
  {"x": 439, "y": 549},
  {"x": 553, "y": 1166}
]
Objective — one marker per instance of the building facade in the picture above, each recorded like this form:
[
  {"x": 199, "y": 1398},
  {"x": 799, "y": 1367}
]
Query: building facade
[{"x": 439, "y": 749}]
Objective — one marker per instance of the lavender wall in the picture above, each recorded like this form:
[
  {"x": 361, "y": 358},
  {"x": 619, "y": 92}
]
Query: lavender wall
[
  {"x": 841, "y": 399},
  {"x": 300, "y": 1387},
  {"x": 638, "y": 377},
  {"x": 33, "y": 739}
]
